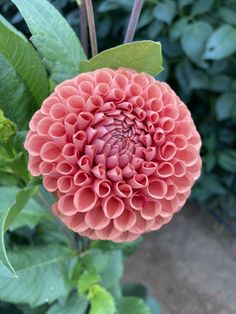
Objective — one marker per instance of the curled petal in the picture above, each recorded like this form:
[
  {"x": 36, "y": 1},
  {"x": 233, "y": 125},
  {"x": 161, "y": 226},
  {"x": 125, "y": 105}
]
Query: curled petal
[
  {"x": 84, "y": 120},
  {"x": 65, "y": 168},
  {"x": 48, "y": 103},
  {"x": 82, "y": 179},
  {"x": 50, "y": 152},
  {"x": 102, "y": 188},
  {"x": 43, "y": 126},
  {"x": 50, "y": 183},
  {"x": 115, "y": 174},
  {"x": 34, "y": 165},
  {"x": 66, "y": 205},
  {"x": 35, "y": 144},
  {"x": 75, "y": 104},
  {"x": 95, "y": 219},
  {"x": 125, "y": 221},
  {"x": 151, "y": 210},
  {"x": 58, "y": 112},
  {"x": 157, "y": 189},
  {"x": 139, "y": 181},
  {"x": 57, "y": 133},
  {"x": 69, "y": 152},
  {"x": 46, "y": 168},
  {"x": 79, "y": 139},
  {"x": 165, "y": 169},
  {"x": 85, "y": 199},
  {"x": 65, "y": 184},
  {"x": 123, "y": 189},
  {"x": 71, "y": 123},
  {"x": 113, "y": 206}
]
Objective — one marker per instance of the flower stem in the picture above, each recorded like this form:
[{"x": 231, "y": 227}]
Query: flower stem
[
  {"x": 137, "y": 7},
  {"x": 83, "y": 25},
  {"x": 91, "y": 25}
]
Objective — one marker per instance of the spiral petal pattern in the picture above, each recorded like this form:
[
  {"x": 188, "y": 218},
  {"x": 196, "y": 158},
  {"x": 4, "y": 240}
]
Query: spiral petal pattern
[{"x": 120, "y": 151}]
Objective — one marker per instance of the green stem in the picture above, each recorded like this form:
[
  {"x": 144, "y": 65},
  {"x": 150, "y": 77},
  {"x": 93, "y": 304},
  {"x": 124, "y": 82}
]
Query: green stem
[{"x": 91, "y": 25}]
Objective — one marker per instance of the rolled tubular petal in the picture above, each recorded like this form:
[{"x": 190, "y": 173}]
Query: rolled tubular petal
[
  {"x": 118, "y": 149},
  {"x": 85, "y": 199},
  {"x": 113, "y": 207}
]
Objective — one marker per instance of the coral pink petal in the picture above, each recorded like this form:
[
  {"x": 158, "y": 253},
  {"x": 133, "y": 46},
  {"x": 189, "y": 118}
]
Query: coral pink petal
[
  {"x": 85, "y": 199},
  {"x": 113, "y": 206},
  {"x": 118, "y": 149}
]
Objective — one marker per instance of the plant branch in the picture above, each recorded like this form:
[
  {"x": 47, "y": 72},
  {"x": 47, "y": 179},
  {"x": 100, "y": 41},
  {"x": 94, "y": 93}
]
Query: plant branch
[
  {"x": 83, "y": 25},
  {"x": 137, "y": 7},
  {"x": 91, "y": 25}
]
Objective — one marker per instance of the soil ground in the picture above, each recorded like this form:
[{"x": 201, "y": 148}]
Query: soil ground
[{"x": 189, "y": 265}]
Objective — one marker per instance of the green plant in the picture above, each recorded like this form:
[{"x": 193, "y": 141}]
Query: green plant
[{"x": 44, "y": 267}]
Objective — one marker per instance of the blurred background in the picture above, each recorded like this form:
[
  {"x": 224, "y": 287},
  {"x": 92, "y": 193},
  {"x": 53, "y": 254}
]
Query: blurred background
[{"x": 190, "y": 265}]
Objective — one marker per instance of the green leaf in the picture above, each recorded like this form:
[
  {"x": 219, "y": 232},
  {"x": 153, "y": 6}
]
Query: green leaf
[
  {"x": 42, "y": 275},
  {"x": 87, "y": 279},
  {"x": 101, "y": 301},
  {"x": 221, "y": 44},
  {"x": 15, "y": 47},
  {"x": 225, "y": 106},
  {"x": 221, "y": 83},
  {"x": 194, "y": 40},
  {"x": 229, "y": 16},
  {"x": 74, "y": 305},
  {"x": 30, "y": 215},
  {"x": 7, "y": 128},
  {"x": 227, "y": 160},
  {"x": 165, "y": 11},
  {"x": 143, "y": 56},
  {"x": 132, "y": 305},
  {"x": 178, "y": 28},
  {"x": 15, "y": 98},
  {"x": 54, "y": 39},
  {"x": 111, "y": 275},
  {"x": 95, "y": 259},
  {"x": 201, "y": 6},
  {"x": 183, "y": 3},
  {"x": 12, "y": 201}
]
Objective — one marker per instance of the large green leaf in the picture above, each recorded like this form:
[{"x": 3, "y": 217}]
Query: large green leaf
[
  {"x": 128, "y": 305},
  {"x": 31, "y": 215},
  {"x": 12, "y": 201},
  {"x": 143, "y": 56},
  {"x": 101, "y": 301},
  {"x": 42, "y": 275},
  {"x": 15, "y": 98},
  {"x": 194, "y": 40},
  {"x": 111, "y": 275},
  {"x": 222, "y": 43},
  {"x": 74, "y": 305},
  {"x": 21, "y": 55},
  {"x": 55, "y": 40}
]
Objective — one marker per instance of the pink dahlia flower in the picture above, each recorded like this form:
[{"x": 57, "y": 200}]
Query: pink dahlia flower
[{"x": 120, "y": 151}]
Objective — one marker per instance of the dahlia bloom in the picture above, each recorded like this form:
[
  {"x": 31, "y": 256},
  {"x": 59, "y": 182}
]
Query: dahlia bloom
[{"x": 120, "y": 151}]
